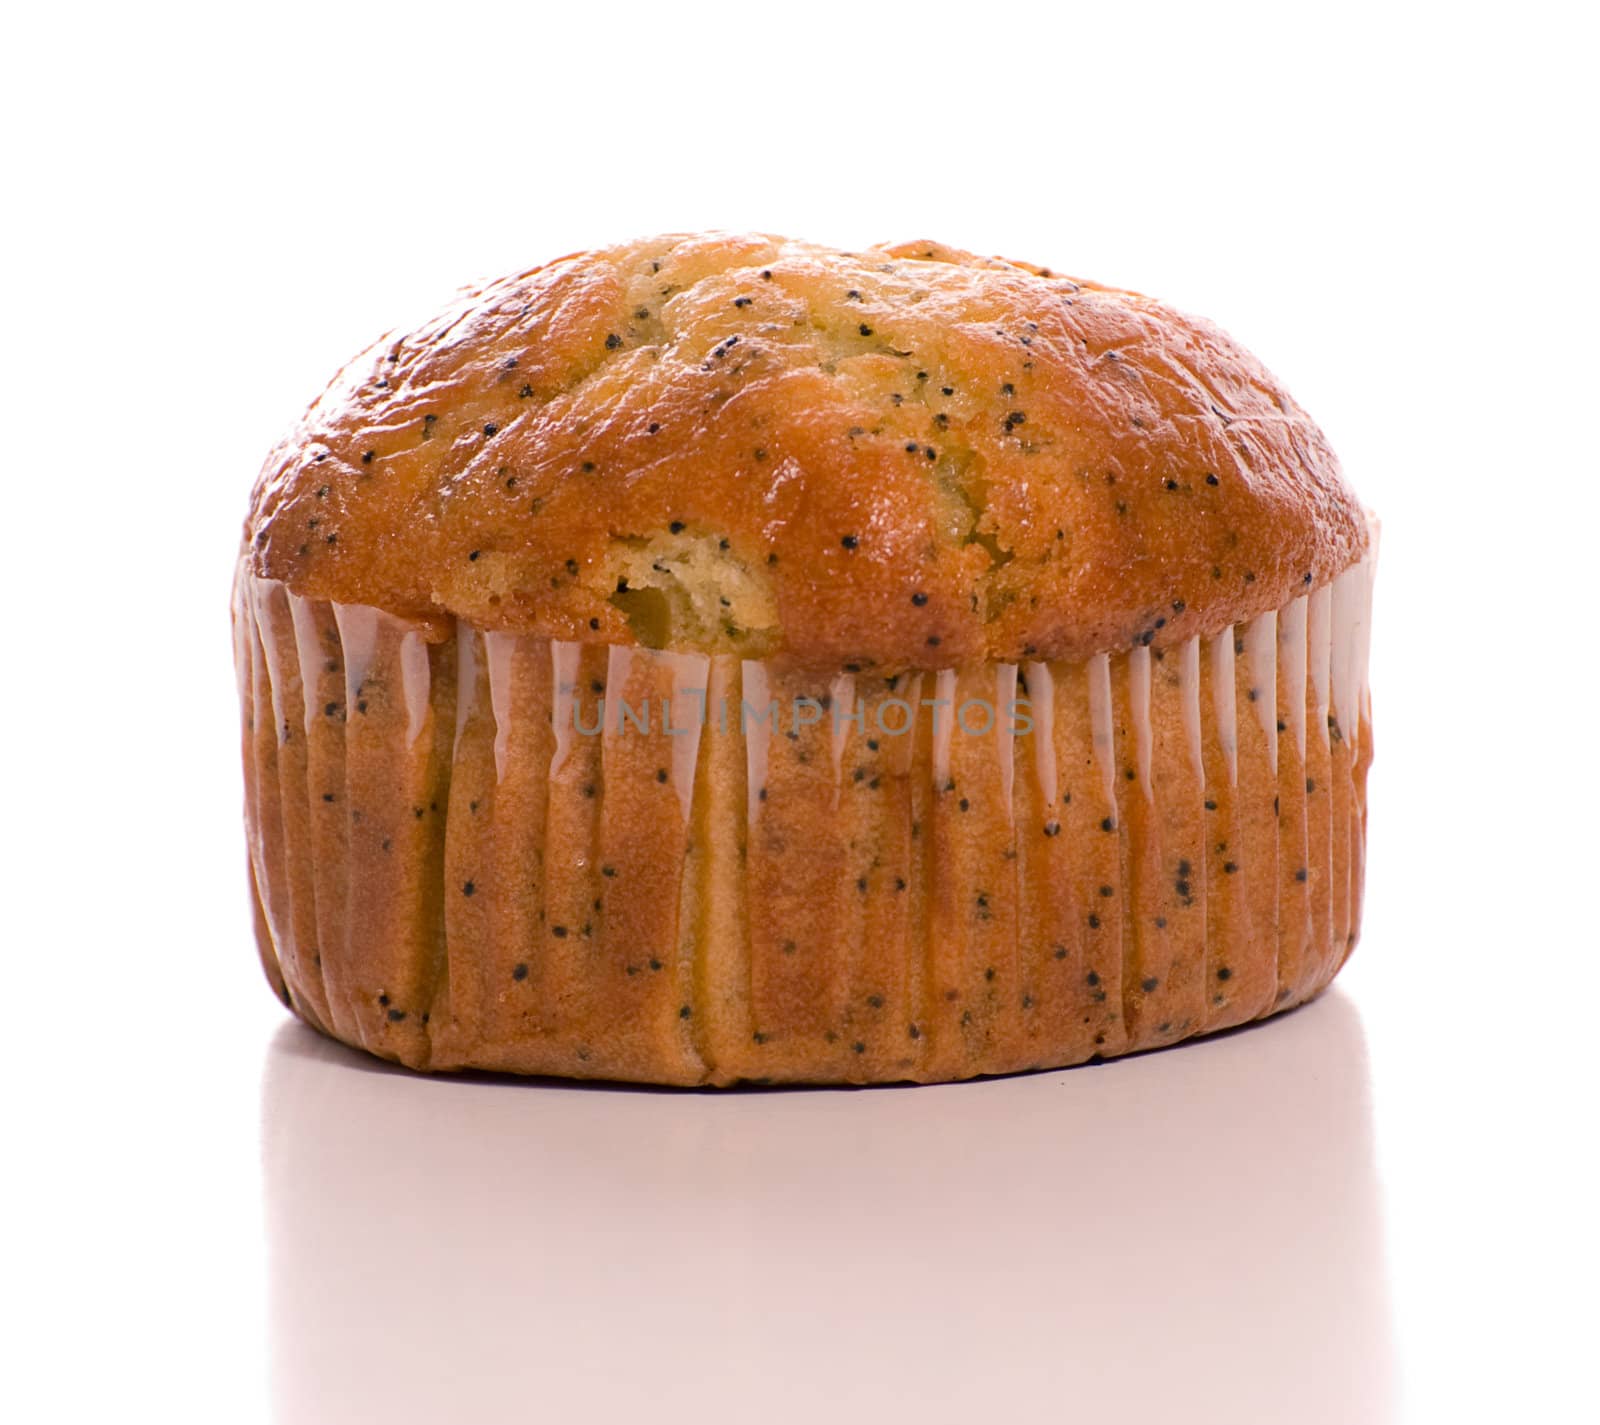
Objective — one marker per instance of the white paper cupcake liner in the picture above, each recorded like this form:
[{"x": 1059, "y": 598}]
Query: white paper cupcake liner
[{"x": 460, "y": 857}]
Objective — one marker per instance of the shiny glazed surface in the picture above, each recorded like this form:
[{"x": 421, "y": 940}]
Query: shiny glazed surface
[{"x": 901, "y": 457}]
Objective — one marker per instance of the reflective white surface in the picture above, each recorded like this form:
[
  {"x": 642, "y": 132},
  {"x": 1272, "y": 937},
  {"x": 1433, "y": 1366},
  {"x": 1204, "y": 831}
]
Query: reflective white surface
[{"x": 1191, "y": 1235}]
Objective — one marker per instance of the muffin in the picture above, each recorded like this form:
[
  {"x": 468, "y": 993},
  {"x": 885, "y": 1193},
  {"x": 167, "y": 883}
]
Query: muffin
[{"x": 724, "y": 658}]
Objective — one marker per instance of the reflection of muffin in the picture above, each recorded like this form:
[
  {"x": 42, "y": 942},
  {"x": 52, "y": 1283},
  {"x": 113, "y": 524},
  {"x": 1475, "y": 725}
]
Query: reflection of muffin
[
  {"x": 721, "y": 658},
  {"x": 633, "y": 1257}
]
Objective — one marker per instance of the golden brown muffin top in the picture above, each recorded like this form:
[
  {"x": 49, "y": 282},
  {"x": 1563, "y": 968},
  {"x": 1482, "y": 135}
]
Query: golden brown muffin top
[{"x": 903, "y": 456}]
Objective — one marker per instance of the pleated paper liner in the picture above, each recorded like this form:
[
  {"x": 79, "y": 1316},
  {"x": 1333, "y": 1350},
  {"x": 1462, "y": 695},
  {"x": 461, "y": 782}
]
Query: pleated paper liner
[{"x": 507, "y": 852}]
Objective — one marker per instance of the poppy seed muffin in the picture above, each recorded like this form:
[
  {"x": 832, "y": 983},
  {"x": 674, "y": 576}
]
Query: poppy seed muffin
[{"x": 721, "y": 657}]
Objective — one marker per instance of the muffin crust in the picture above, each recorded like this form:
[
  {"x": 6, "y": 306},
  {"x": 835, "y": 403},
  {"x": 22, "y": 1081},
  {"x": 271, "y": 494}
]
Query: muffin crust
[{"x": 906, "y": 457}]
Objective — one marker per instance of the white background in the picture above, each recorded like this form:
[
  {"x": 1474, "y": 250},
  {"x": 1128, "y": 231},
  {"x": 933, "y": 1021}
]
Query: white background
[{"x": 1380, "y": 1208}]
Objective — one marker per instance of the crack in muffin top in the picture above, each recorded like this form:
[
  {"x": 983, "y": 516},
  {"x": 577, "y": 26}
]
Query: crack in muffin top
[{"x": 901, "y": 457}]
